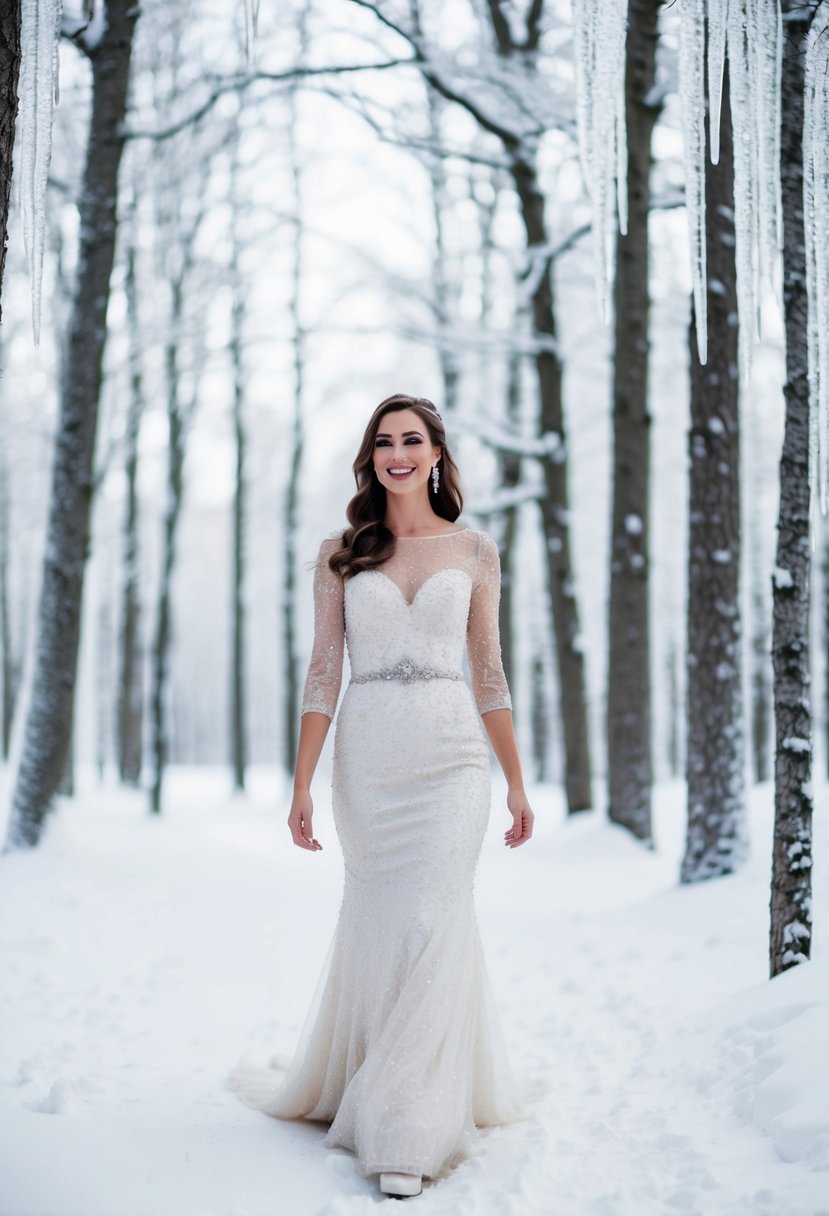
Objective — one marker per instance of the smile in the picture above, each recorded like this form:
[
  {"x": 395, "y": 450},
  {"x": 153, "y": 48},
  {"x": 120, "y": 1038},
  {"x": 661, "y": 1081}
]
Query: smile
[{"x": 400, "y": 473}]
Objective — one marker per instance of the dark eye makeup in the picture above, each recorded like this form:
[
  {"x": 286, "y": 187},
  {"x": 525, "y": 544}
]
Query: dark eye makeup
[{"x": 382, "y": 442}]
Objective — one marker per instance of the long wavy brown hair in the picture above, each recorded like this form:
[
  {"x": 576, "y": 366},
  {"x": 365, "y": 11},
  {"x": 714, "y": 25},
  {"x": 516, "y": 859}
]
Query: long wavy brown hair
[{"x": 368, "y": 542}]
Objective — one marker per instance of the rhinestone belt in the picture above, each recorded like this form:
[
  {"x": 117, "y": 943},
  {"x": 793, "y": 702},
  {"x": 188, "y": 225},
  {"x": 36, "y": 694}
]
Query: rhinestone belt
[{"x": 407, "y": 671}]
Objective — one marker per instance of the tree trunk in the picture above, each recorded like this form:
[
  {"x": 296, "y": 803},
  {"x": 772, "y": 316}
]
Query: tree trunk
[
  {"x": 761, "y": 668},
  {"x": 130, "y": 685},
  {"x": 292, "y": 491},
  {"x": 790, "y": 934},
  {"x": 445, "y": 303},
  {"x": 49, "y": 722},
  {"x": 826, "y": 645},
  {"x": 716, "y": 841},
  {"x": 555, "y": 506},
  {"x": 9, "y": 74},
  {"x": 162, "y": 642},
  {"x": 238, "y": 654},
  {"x": 7, "y": 691},
  {"x": 629, "y": 761},
  {"x": 510, "y": 467},
  {"x": 674, "y": 710}
]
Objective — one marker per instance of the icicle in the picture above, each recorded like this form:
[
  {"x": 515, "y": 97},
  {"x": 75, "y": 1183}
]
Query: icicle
[
  {"x": 741, "y": 75},
  {"x": 40, "y": 31},
  {"x": 251, "y": 11},
  {"x": 767, "y": 51},
  {"x": 816, "y": 226},
  {"x": 692, "y": 98},
  {"x": 754, "y": 56},
  {"x": 717, "y": 19},
  {"x": 599, "y": 32}
]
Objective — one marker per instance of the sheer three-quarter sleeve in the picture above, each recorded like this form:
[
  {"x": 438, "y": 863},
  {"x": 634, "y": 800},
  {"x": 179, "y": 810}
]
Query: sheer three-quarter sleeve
[
  {"x": 325, "y": 669},
  {"x": 489, "y": 683}
]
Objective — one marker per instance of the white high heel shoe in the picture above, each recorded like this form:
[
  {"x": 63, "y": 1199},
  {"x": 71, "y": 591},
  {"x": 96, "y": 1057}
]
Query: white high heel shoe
[{"x": 402, "y": 1186}]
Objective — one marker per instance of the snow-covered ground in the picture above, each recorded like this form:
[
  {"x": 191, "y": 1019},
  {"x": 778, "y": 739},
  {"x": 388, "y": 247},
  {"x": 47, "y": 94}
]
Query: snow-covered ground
[{"x": 142, "y": 959}]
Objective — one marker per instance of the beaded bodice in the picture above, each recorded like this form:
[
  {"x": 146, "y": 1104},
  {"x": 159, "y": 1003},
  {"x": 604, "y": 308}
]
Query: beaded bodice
[{"x": 435, "y": 599}]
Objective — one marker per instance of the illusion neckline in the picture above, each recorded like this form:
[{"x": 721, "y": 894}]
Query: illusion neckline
[{"x": 437, "y": 535}]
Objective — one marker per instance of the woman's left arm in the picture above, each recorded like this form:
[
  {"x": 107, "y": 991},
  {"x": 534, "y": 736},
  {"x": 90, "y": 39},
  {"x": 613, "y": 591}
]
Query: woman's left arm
[
  {"x": 489, "y": 686},
  {"x": 498, "y": 723}
]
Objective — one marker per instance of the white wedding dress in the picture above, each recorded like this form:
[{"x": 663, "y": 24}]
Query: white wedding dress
[{"x": 402, "y": 1050}]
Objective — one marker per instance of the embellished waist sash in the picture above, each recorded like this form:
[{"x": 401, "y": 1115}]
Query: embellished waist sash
[{"x": 406, "y": 670}]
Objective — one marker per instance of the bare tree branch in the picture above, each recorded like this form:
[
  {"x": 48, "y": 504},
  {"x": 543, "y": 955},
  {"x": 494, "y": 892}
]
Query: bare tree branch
[{"x": 240, "y": 83}]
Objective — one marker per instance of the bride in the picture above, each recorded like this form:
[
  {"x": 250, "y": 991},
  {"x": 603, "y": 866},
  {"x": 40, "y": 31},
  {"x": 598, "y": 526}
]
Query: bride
[{"x": 402, "y": 1053}]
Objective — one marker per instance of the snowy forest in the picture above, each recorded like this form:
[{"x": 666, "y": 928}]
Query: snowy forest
[{"x": 596, "y": 234}]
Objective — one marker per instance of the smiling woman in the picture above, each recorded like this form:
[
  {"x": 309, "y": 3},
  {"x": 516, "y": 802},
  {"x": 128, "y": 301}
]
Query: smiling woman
[{"x": 402, "y": 1052}]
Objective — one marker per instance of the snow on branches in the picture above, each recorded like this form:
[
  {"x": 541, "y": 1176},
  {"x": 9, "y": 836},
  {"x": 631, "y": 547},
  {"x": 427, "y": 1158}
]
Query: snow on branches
[{"x": 40, "y": 34}]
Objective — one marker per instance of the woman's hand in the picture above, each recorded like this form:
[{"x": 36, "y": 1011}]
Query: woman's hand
[
  {"x": 299, "y": 821},
  {"x": 522, "y": 819}
]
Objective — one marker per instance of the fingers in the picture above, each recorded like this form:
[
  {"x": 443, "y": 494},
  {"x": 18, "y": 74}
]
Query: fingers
[
  {"x": 300, "y": 829},
  {"x": 521, "y": 830}
]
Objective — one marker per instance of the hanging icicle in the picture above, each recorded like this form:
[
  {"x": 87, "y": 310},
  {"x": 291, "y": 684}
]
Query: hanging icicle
[
  {"x": 692, "y": 100},
  {"x": 816, "y": 225},
  {"x": 754, "y": 55},
  {"x": 251, "y": 16},
  {"x": 40, "y": 33},
  {"x": 599, "y": 33}
]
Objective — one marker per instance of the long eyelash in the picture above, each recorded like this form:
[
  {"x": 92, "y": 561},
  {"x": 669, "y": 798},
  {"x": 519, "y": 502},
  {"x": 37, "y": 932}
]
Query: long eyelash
[{"x": 383, "y": 442}]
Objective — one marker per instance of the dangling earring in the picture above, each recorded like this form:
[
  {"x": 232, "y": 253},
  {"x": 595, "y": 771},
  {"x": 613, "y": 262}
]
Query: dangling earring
[{"x": 435, "y": 478}]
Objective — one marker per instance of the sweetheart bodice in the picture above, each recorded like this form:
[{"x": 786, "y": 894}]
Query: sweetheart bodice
[{"x": 434, "y": 600}]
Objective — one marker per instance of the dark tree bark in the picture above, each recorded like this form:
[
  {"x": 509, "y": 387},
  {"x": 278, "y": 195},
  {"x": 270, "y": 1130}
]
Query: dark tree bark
[
  {"x": 555, "y": 505},
  {"x": 9, "y": 74},
  {"x": 130, "y": 684},
  {"x": 520, "y": 149},
  {"x": 510, "y": 464},
  {"x": 790, "y": 934},
  {"x": 629, "y": 761},
  {"x": 49, "y": 723},
  {"x": 540, "y": 722},
  {"x": 715, "y": 842},
  {"x": 760, "y": 665},
  {"x": 162, "y": 641}
]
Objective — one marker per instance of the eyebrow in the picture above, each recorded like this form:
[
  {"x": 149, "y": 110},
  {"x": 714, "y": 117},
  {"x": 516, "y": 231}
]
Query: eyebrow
[{"x": 386, "y": 435}]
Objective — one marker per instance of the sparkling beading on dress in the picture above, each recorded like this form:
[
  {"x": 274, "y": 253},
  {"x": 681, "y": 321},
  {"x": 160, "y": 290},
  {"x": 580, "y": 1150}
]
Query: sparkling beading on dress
[{"x": 402, "y": 1051}]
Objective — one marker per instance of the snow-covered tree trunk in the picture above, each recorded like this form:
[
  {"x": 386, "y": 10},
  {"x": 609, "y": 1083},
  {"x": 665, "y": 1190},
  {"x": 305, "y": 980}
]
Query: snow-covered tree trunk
[
  {"x": 555, "y": 505},
  {"x": 299, "y": 342},
  {"x": 629, "y": 766},
  {"x": 825, "y": 590},
  {"x": 791, "y": 883},
  {"x": 7, "y": 670},
  {"x": 510, "y": 477},
  {"x": 130, "y": 682},
  {"x": 672, "y": 660},
  {"x": 443, "y": 289},
  {"x": 49, "y": 722},
  {"x": 238, "y": 660},
  {"x": 9, "y": 74},
  {"x": 715, "y": 841}
]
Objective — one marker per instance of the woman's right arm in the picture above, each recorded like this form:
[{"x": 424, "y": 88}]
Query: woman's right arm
[{"x": 321, "y": 692}]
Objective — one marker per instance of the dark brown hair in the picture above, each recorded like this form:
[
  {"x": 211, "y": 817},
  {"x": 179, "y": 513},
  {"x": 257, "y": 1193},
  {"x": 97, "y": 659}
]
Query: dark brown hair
[{"x": 368, "y": 542}]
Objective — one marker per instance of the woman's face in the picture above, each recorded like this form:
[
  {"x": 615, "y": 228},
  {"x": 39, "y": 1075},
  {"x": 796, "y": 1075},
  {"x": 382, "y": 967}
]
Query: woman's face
[{"x": 402, "y": 442}]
